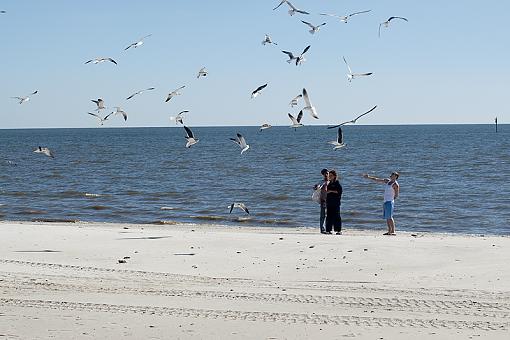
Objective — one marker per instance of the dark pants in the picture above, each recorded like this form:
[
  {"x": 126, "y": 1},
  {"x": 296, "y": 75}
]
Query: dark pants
[
  {"x": 323, "y": 216},
  {"x": 333, "y": 218}
]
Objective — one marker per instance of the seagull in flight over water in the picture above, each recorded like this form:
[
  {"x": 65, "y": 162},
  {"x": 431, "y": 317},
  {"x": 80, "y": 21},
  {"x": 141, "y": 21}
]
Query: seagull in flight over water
[
  {"x": 387, "y": 23},
  {"x": 256, "y": 92},
  {"x": 174, "y": 93},
  {"x": 299, "y": 59},
  {"x": 353, "y": 121},
  {"x": 265, "y": 126},
  {"x": 101, "y": 119},
  {"x": 100, "y": 60},
  {"x": 296, "y": 122},
  {"x": 238, "y": 205},
  {"x": 137, "y": 43},
  {"x": 293, "y": 10},
  {"x": 100, "y": 104},
  {"x": 344, "y": 18},
  {"x": 189, "y": 137},
  {"x": 339, "y": 142},
  {"x": 178, "y": 118},
  {"x": 119, "y": 111},
  {"x": 25, "y": 98},
  {"x": 351, "y": 76},
  {"x": 239, "y": 140},
  {"x": 267, "y": 40},
  {"x": 313, "y": 27},
  {"x": 309, "y": 107},
  {"x": 140, "y": 92},
  {"x": 44, "y": 151},
  {"x": 202, "y": 73}
]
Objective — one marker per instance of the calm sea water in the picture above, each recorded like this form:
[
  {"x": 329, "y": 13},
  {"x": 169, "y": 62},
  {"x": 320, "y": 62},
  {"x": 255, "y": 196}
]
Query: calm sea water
[{"x": 454, "y": 178}]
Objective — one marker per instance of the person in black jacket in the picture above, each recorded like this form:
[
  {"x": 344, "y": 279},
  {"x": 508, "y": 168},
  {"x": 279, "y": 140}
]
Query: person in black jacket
[{"x": 334, "y": 194}]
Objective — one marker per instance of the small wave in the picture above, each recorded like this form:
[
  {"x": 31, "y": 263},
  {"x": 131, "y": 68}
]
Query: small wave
[
  {"x": 209, "y": 218},
  {"x": 55, "y": 220},
  {"x": 97, "y": 207},
  {"x": 164, "y": 194},
  {"x": 92, "y": 195},
  {"x": 30, "y": 212},
  {"x": 169, "y": 208},
  {"x": 163, "y": 222},
  {"x": 281, "y": 197},
  {"x": 132, "y": 193},
  {"x": 277, "y": 222}
]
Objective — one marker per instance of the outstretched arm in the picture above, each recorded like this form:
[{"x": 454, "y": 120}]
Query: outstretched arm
[{"x": 376, "y": 179}]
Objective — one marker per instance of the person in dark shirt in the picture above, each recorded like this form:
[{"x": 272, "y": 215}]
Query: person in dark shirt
[{"x": 334, "y": 194}]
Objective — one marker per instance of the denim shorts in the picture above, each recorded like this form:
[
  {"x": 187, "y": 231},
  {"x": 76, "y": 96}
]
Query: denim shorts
[{"x": 388, "y": 209}]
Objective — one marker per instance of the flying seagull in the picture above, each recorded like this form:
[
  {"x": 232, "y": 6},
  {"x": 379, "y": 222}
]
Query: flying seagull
[
  {"x": 174, "y": 93},
  {"x": 265, "y": 126},
  {"x": 189, "y": 137},
  {"x": 295, "y": 100},
  {"x": 239, "y": 140},
  {"x": 140, "y": 92},
  {"x": 137, "y": 43},
  {"x": 255, "y": 93},
  {"x": 202, "y": 73},
  {"x": 353, "y": 121},
  {"x": 339, "y": 142},
  {"x": 299, "y": 59},
  {"x": 119, "y": 111},
  {"x": 268, "y": 40},
  {"x": 313, "y": 27},
  {"x": 101, "y": 119},
  {"x": 100, "y": 104},
  {"x": 178, "y": 118},
  {"x": 100, "y": 60},
  {"x": 238, "y": 205},
  {"x": 296, "y": 122},
  {"x": 293, "y": 10},
  {"x": 387, "y": 23},
  {"x": 25, "y": 98},
  {"x": 351, "y": 76},
  {"x": 309, "y": 106},
  {"x": 44, "y": 151},
  {"x": 345, "y": 18}
]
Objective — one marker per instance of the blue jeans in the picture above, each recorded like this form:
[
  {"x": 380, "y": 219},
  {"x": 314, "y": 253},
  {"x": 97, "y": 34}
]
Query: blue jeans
[{"x": 323, "y": 216}]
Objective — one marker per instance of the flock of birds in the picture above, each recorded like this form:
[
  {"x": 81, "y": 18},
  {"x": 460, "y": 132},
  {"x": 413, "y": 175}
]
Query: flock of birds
[{"x": 297, "y": 59}]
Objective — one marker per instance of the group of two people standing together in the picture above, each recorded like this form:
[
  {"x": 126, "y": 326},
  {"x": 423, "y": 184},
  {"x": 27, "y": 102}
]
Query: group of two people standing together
[{"x": 331, "y": 194}]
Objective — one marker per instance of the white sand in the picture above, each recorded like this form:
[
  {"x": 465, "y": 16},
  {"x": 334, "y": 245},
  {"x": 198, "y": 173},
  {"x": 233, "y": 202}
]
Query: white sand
[{"x": 64, "y": 281}]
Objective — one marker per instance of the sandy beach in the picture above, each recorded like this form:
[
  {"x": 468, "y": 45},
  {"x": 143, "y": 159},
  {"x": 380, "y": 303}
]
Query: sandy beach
[{"x": 107, "y": 281}]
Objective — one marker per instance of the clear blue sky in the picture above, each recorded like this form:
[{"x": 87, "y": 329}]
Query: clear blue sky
[{"x": 448, "y": 64}]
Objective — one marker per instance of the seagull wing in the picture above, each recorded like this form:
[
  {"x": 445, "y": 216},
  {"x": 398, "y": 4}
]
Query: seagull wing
[
  {"x": 299, "y": 116},
  {"x": 293, "y": 119},
  {"x": 309, "y": 24},
  {"x": 113, "y": 61},
  {"x": 401, "y": 18},
  {"x": 330, "y": 15},
  {"x": 306, "y": 49},
  {"x": 380, "y": 29},
  {"x": 345, "y": 61},
  {"x": 35, "y": 92},
  {"x": 321, "y": 24},
  {"x": 148, "y": 35},
  {"x": 281, "y": 3},
  {"x": 307, "y": 99},
  {"x": 108, "y": 115},
  {"x": 242, "y": 141},
  {"x": 188, "y": 132},
  {"x": 340, "y": 136},
  {"x": 291, "y": 56},
  {"x": 260, "y": 88},
  {"x": 362, "y": 74},
  {"x": 245, "y": 209},
  {"x": 300, "y": 11},
  {"x": 131, "y": 96},
  {"x": 355, "y": 13},
  {"x": 232, "y": 205},
  {"x": 361, "y": 115},
  {"x": 127, "y": 48},
  {"x": 93, "y": 114}
]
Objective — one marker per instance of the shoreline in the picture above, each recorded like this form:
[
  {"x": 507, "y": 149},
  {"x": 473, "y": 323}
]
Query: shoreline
[{"x": 65, "y": 280}]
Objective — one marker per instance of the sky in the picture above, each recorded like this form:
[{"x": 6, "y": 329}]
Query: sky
[{"x": 449, "y": 64}]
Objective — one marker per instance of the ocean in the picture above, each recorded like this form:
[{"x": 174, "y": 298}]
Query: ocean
[{"x": 453, "y": 178}]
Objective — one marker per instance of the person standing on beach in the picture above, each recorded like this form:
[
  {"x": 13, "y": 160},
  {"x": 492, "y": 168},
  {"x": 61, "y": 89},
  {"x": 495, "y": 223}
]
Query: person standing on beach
[
  {"x": 334, "y": 194},
  {"x": 391, "y": 192},
  {"x": 322, "y": 198}
]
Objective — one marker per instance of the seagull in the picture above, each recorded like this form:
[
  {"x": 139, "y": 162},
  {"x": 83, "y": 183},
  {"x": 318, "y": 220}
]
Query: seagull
[
  {"x": 296, "y": 123},
  {"x": 353, "y": 121},
  {"x": 202, "y": 73},
  {"x": 313, "y": 28},
  {"x": 100, "y": 104},
  {"x": 118, "y": 110},
  {"x": 101, "y": 119},
  {"x": 140, "y": 92},
  {"x": 174, "y": 93},
  {"x": 295, "y": 100},
  {"x": 339, "y": 142},
  {"x": 240, "y": 206},
  {"x": 255, "y": 93},
  {"x": 100, "y": 60},
  {"x": 138, "y": 43},
  {"x": 387, "y": 23},
  {"x": 351, "y": 76},
  {"x": 345, "y": 18},
  {"x": 25, "y": 98},
  {"x": 189, "y": 137},
  {"x": 44, "y": 151},
  {"x": 178, "y": 118},
  {"x": 239, "y": 140},
  {"x": 299, "y": 59},
  {"x": 267, "y": 40},
  {"x": 265, "y": 126},
  {"x": 309, "y": 106},
  {"x": 293, "y": 10}
]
